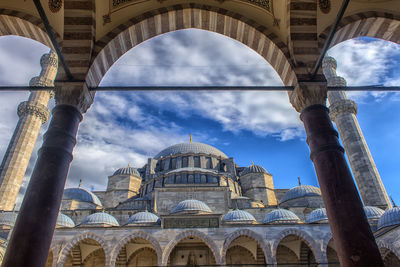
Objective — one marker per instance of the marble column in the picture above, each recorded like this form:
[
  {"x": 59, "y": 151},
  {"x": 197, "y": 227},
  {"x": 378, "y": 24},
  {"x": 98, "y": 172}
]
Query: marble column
[{"x": 343, "y": 112}]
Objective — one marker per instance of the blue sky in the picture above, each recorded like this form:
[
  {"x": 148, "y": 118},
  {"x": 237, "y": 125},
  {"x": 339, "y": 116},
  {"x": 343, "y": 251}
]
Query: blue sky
[{"x": 129, "y": 127}]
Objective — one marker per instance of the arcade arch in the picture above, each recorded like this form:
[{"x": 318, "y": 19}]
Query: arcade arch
[
  {"x": 331, "y": 254},
  {"x": 244, "y": 250},
  {"x": 137, "y": 252},
  {"x": 294, "y": 250},
  {"x": 87, "y": 252}
]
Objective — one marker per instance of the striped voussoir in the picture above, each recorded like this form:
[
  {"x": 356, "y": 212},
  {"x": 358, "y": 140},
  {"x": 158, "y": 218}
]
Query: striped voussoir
[
  {"x": 126, "y": 36},
  {"x": 79, "y": 32},
  {"x": 381, "y": 25}
]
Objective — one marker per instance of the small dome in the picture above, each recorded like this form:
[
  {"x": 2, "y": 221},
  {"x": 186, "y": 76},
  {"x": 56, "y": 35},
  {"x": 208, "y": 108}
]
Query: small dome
[
  {"x": 390, "y": 217},
  {"x": 144, "y": 217},
  {"x": 81, "y": 194},
  {"x": 8, "y": 218},
  {"x": 281, "y": 216},
  {"x": 373, "y": 213},
  {"x": 238, "y": 216},
  {"x": 191, "y": 147},
  {"x": 317, "y": 216},
  {"x": 64, "y": 221},
  {"x": 301, "y": 191},
  {"x": 100, "y": 219},
  {"x": 253, "y": 169},
  {"x": 127, "y": 171},
  {"x": 191, "y": 205}
]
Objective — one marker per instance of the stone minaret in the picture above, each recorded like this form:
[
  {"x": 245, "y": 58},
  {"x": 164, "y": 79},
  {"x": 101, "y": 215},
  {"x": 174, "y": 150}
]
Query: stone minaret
[
  {"x": 32, "y": 114},
  {"x": 343, "y": 112}
]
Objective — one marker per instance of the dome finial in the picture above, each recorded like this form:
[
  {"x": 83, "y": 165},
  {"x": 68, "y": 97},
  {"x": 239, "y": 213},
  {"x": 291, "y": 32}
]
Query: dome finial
[
  {"x": 298, "y": 179},
  {"x": 252, "y": 163},
  {"x": 80, "y": 183},
  {"x": 129, "y": 165},
  {"x": 190, "y": 138},
  {"x": 393, "y": 204}
]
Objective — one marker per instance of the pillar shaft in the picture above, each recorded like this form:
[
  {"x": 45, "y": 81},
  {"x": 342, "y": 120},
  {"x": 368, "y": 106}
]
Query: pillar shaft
[
  {"x": 354, "y": 241},
  {"x": 33, "y": 231}
]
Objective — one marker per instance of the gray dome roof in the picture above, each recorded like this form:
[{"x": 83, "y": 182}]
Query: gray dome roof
[
  {"x": 192, "y": 147},
  {"x": 317, "y": 216},
  {"x": 81, "y": 195},
  {"x": 64, "y": 221},
  {"x": 127, "y": 171},
  {"x": 191, "y": 205},
  {"x": 390, "y": 217},
  {"x": 281, "y": 216},
  {"x": 144, "y": 217},
  {"x": 373, "y": 213},
  {"x": 100, "y": 218},
  {"x": 8, "y": 218},
  {"x": 301, "y": 191},
  {"x": 253, "y": 169},
  {"x": 238, "y": 216}
]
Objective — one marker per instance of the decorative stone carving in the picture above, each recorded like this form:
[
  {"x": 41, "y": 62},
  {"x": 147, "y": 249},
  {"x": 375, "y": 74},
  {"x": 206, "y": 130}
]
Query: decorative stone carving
[
  {"x": 75, "y": 94},
  {"x": 34, "y": 109},
  {"x": 307, "y": 94},
  {"x": 343, "y": 106},
  {"x": 55, "y": 5}
]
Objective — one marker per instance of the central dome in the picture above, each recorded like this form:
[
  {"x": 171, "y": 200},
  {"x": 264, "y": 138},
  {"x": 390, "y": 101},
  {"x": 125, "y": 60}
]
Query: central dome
[{"x": 191, "y": 147}]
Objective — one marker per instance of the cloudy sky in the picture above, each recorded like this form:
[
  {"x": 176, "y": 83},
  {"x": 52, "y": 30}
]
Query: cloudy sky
[{"x": 129, "y": 127}]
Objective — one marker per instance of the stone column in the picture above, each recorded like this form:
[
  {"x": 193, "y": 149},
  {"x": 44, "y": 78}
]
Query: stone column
[
  {"x": 354, "y": 241},
  {"x": 33, "y": 231},
  {"x": 343, "y": 112},
  {"x": 32, "y": 114}
]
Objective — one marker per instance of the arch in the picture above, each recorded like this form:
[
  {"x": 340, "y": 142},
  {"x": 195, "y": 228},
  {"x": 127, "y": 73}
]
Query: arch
[
  {"x": 191, "y": 233},
  {"x": 126, "y": 36},
  {"x": 141, "y": 250},
  {"x": 388, "y": 246},
  {"x": 246, "y": 232},
  {"x": 318, "y": 253},
  {"x": 87, "y": 235},
  {"x": 117, "y": 248}
]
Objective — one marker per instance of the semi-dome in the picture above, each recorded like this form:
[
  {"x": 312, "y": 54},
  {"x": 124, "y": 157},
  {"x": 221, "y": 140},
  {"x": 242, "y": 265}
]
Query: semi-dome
[
  {"x": 317, "y": 216},
  {"x": 192, "y": 206},
  {"x": 100, "y": 219},
  {"x": 8, "y": 218},
  {"x": 390, "y": 217},
  {"x": 253, "y": 169},
  {"x": 281, "y": 216},
  {"x": 191, "y": 147},
  {"x": 301, "y": 191},
  {"x": 64, "y": 221},
  {"x": 81, "y": 194},
  {"x": 373, "y": 213},
  {"x": 126, "y": 171},
  {"x": 144, "y": 217},
  {"x": 238, "y": 216}
]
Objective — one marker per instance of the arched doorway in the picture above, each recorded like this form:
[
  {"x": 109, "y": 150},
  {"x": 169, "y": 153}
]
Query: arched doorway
[
  {"x": 294, "y": 250},
  {"x": 244, "y": 251},
  {"x": 86, "y": 253},
  {"x": 191, "y": 251},
  {"x": 331, "y": 255},
  {"x": 137, "y": 252}
]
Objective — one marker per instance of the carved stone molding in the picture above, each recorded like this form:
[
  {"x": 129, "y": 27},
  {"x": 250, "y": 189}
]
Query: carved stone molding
[
  {"x": 34, "y": 109},
  {"x": 307, "y": 94},
  {"x": 342, "y": 107},
  {"x": 75, "y": 94}
]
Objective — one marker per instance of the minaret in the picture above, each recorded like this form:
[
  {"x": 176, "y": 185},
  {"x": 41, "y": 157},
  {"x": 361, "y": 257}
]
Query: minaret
[
  {"x": 343, "y": 112},
  {"x": 32, "y": 114}
]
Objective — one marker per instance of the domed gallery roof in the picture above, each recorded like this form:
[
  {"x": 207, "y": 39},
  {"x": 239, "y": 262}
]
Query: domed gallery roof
[
  {"x": 127, "y": 171},
  {"x": 190, "y": 147},
  {"x": 390, "y": 217},
  {"x": 8, "y": 218},
  {"x": 191, "y": 205},
  {"x": 301, "y": 191},
  {"x": 281, "y": 216},
  {"x": 81, "y": 194},
  {"x": 238, "y": 216},
  {"x": 64, "y": 221},
  {"x": 253, "y": 169},
  {"x": 317, "y": 216},
  {"x": 144, "y": 217},
  {"x": 100, "y": 219},
  {"x": 373, "y": 213}
]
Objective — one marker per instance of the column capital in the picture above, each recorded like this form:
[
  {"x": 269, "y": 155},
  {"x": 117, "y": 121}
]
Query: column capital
[
  {"x": 75, "y": 94},
  {"x": 307, "y": 94},
  {"x": 34, "y": 109},
  {"x": 340, "y": 107}
]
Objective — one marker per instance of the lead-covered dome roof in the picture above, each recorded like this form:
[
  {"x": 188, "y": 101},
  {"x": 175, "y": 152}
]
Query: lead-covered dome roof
[
  {"x": 143, "y": 217},
  {"x": 317, "y": 216},
  {"x": 192, "y": 206},
  {"x": 253, "y": 169},
  {"x": 81, "y": 194},
  {"x": 281, "y": 216},
  {"x": 64, "y": 221},
  {"x": 8, "y": 218},
  {"x": 301, "y": 191},
  {"x": 389, "y": 218},
  {"x": 100, "y": 219},
  {"x": 373, "y": 213},
  {"x": 190, "y": 147},
  {"x": 238, "y": 216},
  {"x": 126, "y": 171}
]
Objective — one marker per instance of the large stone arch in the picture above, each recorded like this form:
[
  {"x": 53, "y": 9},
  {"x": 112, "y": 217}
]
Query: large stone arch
[
  {"x": 315, "y": 248},
  {"x": 137, "y": 30},
  {"x": 191, "y": 233},
  {"x": 246, "y": 232},
  {"x": 117, "y": 248},
  {"x": 87, "y": 235}
]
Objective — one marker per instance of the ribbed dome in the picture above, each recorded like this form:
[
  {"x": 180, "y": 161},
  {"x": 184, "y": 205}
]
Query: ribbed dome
[
  {"x": 100, "y": 218},
  {"x": 127, "y": 171},
  {"x": 301, "y": 191},
  {"x": 238, "y": 216},
  {"x": 81, "y": 194},
  {"x": 143, "y": 217},
  {"x": 281, "y": 216},
  {"x": 64, "y": 221},
  {"x": 390, "y": 217},
  {"x": 191, "y": 205},
  {"x": 317, "y": 216},
  {"x": 192, "y": 147},
  {"x": 8, "y": 218},
  {"x": 373, "y": 213},
  {"x": 253, "y": 169}
]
